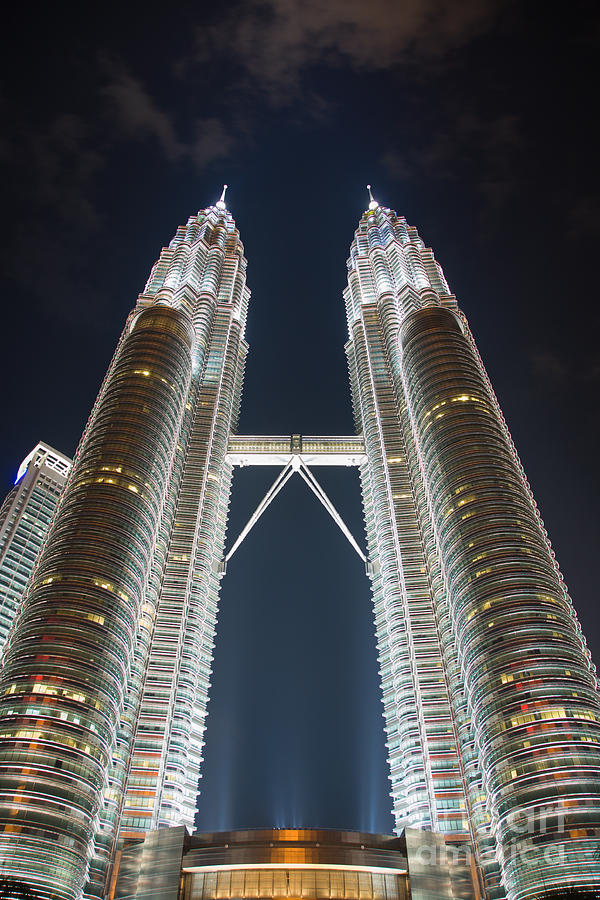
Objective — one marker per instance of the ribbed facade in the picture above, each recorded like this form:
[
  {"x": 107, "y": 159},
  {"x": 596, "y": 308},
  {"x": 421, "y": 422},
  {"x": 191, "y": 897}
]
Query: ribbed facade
[
  {"x": 24, "y": 519},
  {"x": 490, "y": 697},
  {"x": 104, "y": 688}
]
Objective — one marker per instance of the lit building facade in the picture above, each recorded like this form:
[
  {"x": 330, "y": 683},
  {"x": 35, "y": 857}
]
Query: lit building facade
[
  {"x": 24, "y": 519},
  {"x": 104, "y": 686},
  {"x": 490, "y": 697},
  {"x": 294, "y": 862}
]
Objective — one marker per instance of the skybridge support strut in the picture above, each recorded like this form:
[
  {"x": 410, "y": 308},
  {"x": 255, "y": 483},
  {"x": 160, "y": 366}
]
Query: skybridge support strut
[
  {"x": 296, "y": 464},
  {"x": 283, "y": 477},
  {"x": 320, "y": 494}
]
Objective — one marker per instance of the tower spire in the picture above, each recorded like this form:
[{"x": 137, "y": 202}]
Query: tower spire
[
  {"x": 373, "y": 204},
  {"x": 221, "y": 201}
]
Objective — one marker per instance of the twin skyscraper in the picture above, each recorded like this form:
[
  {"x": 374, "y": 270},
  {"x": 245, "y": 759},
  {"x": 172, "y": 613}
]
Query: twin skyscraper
[{"x": 491, "y": 699}]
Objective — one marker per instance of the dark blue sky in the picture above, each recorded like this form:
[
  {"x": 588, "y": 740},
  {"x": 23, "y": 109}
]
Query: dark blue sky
[{"x": 476, "y": 120}]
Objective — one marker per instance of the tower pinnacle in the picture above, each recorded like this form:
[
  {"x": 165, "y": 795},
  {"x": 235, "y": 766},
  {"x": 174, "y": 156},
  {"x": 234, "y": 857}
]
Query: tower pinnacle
[
  {"x": 220, "y": 204},
  {"x": 373, "y": 204}
]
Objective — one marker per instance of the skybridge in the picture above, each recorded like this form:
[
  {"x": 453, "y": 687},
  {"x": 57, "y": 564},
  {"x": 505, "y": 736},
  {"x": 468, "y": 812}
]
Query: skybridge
[
  {"x": 296, "y": 453},
  {"x": 312, "y": 450}
]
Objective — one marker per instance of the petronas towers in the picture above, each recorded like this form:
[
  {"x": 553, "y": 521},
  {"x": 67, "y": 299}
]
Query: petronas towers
[{"x": 491, "y": 700}]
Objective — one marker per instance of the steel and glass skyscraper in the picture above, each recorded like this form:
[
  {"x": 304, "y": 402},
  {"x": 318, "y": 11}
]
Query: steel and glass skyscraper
[
  {"x": 24, "y": 519},
  {"x": 104, "y": 686},
  {"x": 491, "y": 700}
]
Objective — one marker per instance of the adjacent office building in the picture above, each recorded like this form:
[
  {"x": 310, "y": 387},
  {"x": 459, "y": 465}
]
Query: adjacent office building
[
  {"x": 24, "y": 519},
  {"x": 491, "y": 700}
]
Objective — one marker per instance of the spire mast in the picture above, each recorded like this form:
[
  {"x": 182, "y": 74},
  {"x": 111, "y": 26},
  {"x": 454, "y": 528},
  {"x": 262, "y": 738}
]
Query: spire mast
[{"x": 220, "y": 204}]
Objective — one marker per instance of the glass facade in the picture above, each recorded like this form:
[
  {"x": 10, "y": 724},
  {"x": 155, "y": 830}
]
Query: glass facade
[
  {"x": 295, "y": 863},
  {"x": 103, "y": 692},
  {"x": 281, "y": 863},
  {"x": 24, "y": 519},
  {"x": 491, "y": 698},
  {"x": 229, "y": 884}
]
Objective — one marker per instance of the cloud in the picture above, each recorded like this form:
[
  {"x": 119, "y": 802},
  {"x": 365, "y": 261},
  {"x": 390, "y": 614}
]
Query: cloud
[
  {"x": 64, "y": 162},
  {"x": 54, "y": 169},
  {"x": 468, "y": 137},
  {"x": 397, "y": 164},
  {"x": 53, "y": 165},
  {"x": 50, "y": 260},
  {"x": 136, "y": 113},
  {"x": 549, "y": 366},
  {"x": 458, "y": 144},
  {"x": 275, "y": 40},
  {"x": 212, "y": 142},
  {"x": 582, "y": 215},
  {"x": 564, "y": 371}
]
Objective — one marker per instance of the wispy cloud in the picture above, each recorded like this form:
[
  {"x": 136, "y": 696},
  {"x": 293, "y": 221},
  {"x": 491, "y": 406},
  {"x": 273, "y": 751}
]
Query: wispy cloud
[
  {"x": 135, "y": 112},
  {"x": 64, "y": 163},
  {"x": 472, "y": 146},
  {"x": 563, "y": 371},
  {"x": 136, "y": 115},
  {"x": 274, "y": 41},
  {"x": 583, "y": 221},
  {"x": 212, "y": 141},
  {"x": 55, "y": 166}
]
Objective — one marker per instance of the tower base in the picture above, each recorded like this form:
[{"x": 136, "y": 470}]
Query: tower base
[{"x": 280, "y": 864}]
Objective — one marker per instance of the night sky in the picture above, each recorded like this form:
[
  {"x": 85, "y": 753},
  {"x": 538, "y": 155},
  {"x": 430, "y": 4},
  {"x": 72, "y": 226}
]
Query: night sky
[{"x": 476, "y": 120}]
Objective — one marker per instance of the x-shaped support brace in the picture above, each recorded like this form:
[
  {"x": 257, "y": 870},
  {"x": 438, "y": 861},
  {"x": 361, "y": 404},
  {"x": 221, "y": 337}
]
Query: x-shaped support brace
[{"x": 296, "y": 464}]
